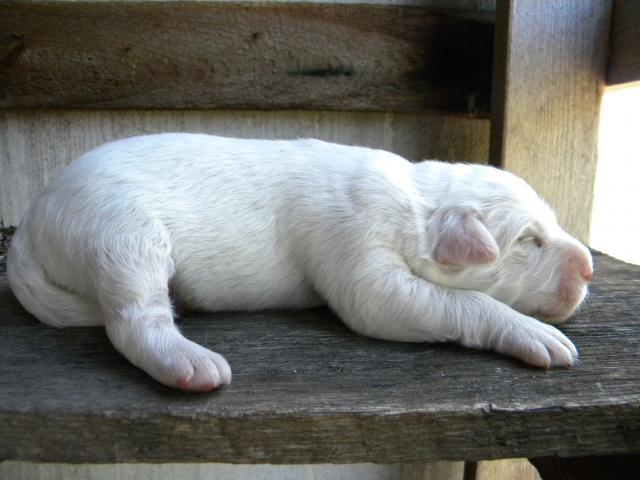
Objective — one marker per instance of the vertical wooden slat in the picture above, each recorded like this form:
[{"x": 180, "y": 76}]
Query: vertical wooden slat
[
  {"x": 549, "y": 67},
  {"x": 508, "y": 469}
]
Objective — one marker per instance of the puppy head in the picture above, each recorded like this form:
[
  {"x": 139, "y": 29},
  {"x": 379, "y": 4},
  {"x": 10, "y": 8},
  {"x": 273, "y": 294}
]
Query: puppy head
[{"x": 497, "y": 236}]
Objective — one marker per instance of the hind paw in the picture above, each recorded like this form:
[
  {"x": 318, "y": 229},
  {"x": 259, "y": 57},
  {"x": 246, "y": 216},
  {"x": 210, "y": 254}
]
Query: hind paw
[
  {"x": 180, "y": 363},
  {"x": 198, "y": 369}
]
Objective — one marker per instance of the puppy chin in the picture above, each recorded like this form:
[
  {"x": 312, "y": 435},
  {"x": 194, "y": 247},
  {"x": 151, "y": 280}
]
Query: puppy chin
[
  {"x": 557, "y": 316},
  {"x": 568, "y": 302},
  {"x": 552, "y": 319}
]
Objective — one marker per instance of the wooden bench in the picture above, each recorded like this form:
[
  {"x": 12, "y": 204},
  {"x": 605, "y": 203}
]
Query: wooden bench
[{"x": 308, "y": 390}]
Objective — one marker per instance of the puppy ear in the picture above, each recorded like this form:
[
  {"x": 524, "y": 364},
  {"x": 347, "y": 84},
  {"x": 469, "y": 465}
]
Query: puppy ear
[{"x": 461, "y": 239}]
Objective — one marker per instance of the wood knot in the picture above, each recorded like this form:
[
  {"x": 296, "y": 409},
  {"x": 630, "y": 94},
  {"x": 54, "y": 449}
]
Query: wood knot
[{"x": 11, "y": 48}]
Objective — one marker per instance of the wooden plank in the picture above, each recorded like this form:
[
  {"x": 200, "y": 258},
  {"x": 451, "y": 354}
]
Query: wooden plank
[
  {"x": 624, "y": 52},
  {"x": 11, "y": 470},
  {"x": 203, "y": 55},
  {"x": 35, "y": 145},
  {"x": 307, "y": 390},
  {"x": 548, "y": 80}
]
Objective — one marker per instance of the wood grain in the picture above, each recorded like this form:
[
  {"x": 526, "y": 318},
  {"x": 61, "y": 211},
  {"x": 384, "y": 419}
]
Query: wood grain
[
  {"x": 202, "y": 55},
  {"x": 548, "y": 81},
  {"x": 35, "y": 145},
  {"x": 624, "y": 51},
  {"x": 307, "y": 390}
]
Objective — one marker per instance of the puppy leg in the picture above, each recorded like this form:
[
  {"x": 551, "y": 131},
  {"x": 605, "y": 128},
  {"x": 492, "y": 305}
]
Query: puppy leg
[
  {"x": 133, "y": 290},
  {"x": 146, "y": 335},
  {"x": 391, "y": 303}
]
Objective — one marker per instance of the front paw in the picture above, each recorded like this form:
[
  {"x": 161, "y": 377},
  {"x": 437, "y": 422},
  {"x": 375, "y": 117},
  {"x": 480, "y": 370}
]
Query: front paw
[{"x": 537, "y": 344}]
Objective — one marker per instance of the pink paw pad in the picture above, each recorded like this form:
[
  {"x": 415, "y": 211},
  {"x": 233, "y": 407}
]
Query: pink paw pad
[{"x": 185, "y": 384}]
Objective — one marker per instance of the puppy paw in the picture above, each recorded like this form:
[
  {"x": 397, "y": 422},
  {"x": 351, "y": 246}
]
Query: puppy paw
[
  {"x": 538, "y": 344},
  {"x": 189, "y": 366}
]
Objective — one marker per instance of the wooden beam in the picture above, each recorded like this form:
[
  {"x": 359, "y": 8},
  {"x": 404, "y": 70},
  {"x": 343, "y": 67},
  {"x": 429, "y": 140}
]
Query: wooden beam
[
  {"x": 548, "y": 80},
  {"x": 624, "y": 56},
  {"x": 202, "y": 55}
]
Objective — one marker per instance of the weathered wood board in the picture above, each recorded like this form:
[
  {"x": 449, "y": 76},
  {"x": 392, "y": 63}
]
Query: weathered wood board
[
  {"x": 624, "y": 48},
  {"x": 11, "y": 470},
  {"x": 36, "y": 144},
  {"x": 548, "y": 80},
  {"x": 202, "y": 55},
  {"x": 307, "y": 390}
]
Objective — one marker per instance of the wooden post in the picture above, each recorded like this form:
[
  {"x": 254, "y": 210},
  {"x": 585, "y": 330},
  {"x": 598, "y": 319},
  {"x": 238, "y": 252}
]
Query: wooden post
[{"x": 549, "y": 69}]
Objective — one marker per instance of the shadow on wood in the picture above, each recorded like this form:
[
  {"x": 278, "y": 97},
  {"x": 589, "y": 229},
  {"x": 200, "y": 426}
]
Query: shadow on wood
[{"x": 618, "y": 467}]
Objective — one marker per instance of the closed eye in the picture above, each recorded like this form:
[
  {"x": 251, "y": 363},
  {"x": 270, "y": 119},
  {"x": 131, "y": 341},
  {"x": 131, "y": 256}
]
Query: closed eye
[{"x": 534, "y": 239}]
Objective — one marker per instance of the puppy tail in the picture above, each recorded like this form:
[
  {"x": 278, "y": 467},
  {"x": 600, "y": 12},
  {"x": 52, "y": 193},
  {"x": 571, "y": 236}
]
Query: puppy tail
[{"x": 49, "y": 303}]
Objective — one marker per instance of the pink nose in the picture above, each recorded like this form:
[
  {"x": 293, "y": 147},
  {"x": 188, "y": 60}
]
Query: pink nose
[{"x": 587, "y": 273}]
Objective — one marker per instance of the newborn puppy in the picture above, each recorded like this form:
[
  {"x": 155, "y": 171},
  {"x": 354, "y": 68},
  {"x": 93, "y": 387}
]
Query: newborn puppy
[{"x": 424, "y": 252}]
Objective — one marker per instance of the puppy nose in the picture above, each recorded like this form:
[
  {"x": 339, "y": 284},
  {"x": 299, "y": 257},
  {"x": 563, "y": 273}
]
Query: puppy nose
[{"x": 587, "y": 273}]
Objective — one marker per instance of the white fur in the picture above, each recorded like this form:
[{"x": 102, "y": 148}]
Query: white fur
[{"x": 400, "y": 251}]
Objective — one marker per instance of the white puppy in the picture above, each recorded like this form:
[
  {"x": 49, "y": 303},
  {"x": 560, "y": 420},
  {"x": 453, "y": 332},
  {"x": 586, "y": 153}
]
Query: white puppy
[{"x": 412, "y": 252}]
